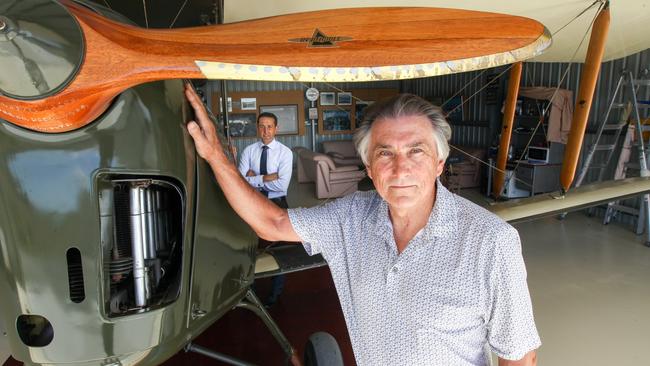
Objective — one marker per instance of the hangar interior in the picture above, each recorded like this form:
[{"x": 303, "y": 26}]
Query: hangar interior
[
  {"x": 587, "y": 269},
  {"x": 587, "y": 279}
]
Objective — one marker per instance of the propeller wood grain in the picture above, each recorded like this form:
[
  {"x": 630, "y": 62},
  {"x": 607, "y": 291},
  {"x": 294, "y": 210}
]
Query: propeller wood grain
[{"x": 358, "y": 44}]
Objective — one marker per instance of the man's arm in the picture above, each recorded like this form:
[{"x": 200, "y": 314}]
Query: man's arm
[
  {"x": 265, "y": 178},
  {"x": 512, "y": 329},
  {"x": 530, "y": 359},
  {"x": 270, "y": 177},
  {"x": 267, "y": 220}
]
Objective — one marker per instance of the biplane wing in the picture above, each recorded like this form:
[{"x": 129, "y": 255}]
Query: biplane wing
[
  {"x": 578, "y": 198},
  {"x": 626, "y": 37}
]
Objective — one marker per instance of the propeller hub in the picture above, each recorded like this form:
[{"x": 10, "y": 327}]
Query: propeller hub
[{"x": 41, "y": 48}]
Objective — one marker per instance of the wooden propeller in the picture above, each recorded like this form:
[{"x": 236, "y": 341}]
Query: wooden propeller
[{"x": 360, "y": 44}]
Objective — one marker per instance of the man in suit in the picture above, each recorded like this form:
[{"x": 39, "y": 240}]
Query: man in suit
[{"x": 266, "y": 165}]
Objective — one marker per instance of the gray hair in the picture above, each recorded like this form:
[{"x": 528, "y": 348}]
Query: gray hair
[{"x": 403, "y": 105}]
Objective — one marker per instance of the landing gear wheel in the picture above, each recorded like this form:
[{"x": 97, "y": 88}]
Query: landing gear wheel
[{"x": 322, "y": 350}]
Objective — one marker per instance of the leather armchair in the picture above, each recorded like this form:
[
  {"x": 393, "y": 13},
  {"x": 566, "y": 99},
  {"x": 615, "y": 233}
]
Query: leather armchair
[{"x": 331, "y": 180}]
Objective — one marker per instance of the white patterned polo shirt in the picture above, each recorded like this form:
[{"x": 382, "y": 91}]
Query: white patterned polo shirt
[{"x": 457, "y": 290}]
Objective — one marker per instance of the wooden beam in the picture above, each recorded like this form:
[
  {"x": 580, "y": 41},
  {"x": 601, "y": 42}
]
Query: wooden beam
[
  {"x": 588, "y": 80},
  {"x": 506, "y": 129}
]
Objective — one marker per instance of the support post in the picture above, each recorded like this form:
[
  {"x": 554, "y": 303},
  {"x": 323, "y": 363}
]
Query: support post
[
  {"x": 506, "y": 129},
  {"x": 588, "y": 80}
]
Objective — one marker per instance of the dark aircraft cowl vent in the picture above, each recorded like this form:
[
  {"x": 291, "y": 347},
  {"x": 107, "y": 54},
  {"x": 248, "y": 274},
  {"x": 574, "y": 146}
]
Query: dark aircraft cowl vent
[{"x": 75, "y": 276}]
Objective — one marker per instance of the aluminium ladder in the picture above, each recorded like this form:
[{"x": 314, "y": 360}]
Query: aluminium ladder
[
  {"x": 643, "y": 213},
  {"x": 608, "y": 148}
]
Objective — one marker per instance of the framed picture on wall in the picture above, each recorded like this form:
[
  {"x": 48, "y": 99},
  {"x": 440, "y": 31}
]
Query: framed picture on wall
[
  {"x": 287, "y": 117},
  {"x": 327, "y": 98},
  {"x": 249, "y": 104},
  {"x": 335, "y": 120},
  {"x": 344, "y": 98},
  {"x": 242, "y": 124}
]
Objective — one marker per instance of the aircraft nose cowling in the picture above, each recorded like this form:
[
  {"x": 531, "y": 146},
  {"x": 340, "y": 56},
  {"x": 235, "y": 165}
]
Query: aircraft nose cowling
[{"x": 41, "y": 48}]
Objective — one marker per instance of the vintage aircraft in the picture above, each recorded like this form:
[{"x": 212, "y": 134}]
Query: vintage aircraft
[{"x": 113, "y": 235}]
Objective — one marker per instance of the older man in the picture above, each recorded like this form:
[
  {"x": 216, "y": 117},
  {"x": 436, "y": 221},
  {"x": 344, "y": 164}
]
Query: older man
[{"x": 424, "y": 277}]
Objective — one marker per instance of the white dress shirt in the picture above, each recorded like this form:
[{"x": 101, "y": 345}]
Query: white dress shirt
[
  {"x": 279, "y": 160},
  {"x": 458, "y": 289}
]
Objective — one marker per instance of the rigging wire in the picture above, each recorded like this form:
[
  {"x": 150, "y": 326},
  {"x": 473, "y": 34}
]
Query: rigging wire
[
  {"x": 602, "y": 3},
  {"x": 475, "y": 93},
  {"x": 146, "y": 18},
  {"x": 466, "y": 85},
  {"x": 177, "y": 14},
  {"x": 554, "y": 33}
]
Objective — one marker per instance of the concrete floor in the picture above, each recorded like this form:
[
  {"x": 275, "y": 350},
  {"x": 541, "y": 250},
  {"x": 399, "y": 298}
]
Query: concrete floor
[{"x": 590, "y": 288}]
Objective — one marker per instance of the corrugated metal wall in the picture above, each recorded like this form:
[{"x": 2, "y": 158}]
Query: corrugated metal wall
[
  {"x": 474, "y": 130},
  {"x": 550, "y": 75},
  {"x": 294, "y": 140},
  {"x": 467, "y": 84},
  {"x": 475, "y": 133},
  {"x": 534, "y": 74}
]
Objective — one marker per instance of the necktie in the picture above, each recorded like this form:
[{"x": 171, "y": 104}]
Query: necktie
[{"x": 263, "y": 171}]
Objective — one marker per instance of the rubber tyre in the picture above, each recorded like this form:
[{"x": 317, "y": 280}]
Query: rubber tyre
[{"x": 322, "y": 350}]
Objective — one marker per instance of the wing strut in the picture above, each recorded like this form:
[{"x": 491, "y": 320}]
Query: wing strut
[
  {"x": 506, "y": 130},
  {"x": 588, "y": 80}
]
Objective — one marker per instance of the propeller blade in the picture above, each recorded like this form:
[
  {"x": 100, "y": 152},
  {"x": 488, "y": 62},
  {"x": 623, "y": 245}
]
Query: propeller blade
[{"x": 361, "y": 44}]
